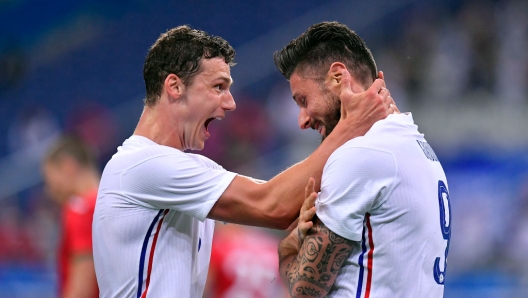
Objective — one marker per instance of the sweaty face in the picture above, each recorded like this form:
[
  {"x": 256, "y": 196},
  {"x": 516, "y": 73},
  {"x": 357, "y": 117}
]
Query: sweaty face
[
  {"x": 205, "y": 99},
  {"x": 320, "y": 109}
]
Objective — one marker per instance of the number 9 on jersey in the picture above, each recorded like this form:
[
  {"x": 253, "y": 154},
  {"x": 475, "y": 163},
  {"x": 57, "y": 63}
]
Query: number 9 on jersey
[{"x": 445, "y": 226}]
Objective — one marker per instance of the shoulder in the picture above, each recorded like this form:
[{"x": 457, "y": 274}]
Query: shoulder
[
  {"x": 380, "y": 143},
  {"x": 355, "y": 164},
  {"x": 204, "y": 160},
  {"x": 359, "y": 172},
  {"x": 175, "y": 161},
  {"x": 140, "y": 148},
  {"x": 391, "y": 129},
  {"x": 156, "y": 157},
  {"x": 361, "y": 154}
]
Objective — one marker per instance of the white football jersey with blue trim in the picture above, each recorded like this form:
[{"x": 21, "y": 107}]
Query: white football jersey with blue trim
[
  {"x": 388, "y": 192},
  {"x": 151, "y": 237}
]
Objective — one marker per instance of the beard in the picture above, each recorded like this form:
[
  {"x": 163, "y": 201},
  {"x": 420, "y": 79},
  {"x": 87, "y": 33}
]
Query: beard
[{"x": 333, "y": 113}]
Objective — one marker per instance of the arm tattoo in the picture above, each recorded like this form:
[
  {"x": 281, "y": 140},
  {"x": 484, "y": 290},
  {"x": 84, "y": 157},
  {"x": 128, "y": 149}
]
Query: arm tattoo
[{"x": 313, "y": 271}]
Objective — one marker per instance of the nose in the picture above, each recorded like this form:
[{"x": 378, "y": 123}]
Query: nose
[
  {"x": 303, "y": 119},
  {"x": 229, "y": 102}
]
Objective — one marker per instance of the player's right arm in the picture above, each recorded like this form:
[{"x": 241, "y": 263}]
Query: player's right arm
[
  {"x": 311, "y": 269},
  {"x": 275, "y": 203},
  {"x": 311, "y": 255}
]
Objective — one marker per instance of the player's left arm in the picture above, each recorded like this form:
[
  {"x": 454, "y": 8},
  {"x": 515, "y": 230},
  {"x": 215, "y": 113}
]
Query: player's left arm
[{"x": 311, "y": 255}]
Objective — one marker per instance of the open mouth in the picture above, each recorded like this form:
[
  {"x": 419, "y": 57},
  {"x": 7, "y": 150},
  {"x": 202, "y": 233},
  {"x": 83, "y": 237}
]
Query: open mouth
[{"x": 208, "y": 121}]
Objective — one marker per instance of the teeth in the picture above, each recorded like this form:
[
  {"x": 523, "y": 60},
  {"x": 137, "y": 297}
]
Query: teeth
[{"x": 218, "y": 118}]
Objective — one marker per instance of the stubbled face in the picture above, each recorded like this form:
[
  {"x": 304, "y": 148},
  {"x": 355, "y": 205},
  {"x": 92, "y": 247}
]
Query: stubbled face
[
  {"x": 320, "y": 109},
  {"x": 207, "y": 98},
  {"x": 57, "y": 181}
]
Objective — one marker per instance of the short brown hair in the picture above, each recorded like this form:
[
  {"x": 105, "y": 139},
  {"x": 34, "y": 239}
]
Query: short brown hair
[
  {"x": 323, "y": 44},
  {"x": 179, "y": 51}
]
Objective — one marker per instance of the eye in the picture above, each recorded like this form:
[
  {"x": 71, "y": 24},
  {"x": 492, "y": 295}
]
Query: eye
[{"x": 218, "y": 87}]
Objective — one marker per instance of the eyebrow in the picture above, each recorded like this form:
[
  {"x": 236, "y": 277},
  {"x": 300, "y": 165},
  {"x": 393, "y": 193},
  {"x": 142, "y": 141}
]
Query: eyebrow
[{"x": 226, "y": 79}]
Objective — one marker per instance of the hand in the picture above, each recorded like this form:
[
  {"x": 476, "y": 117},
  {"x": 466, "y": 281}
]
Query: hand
[
  {"x": 359, "y": 111},
  {"x": 299, "y": 229},
  {"x": 393, "y": 109},
  {"x": 307, "y": 211}
]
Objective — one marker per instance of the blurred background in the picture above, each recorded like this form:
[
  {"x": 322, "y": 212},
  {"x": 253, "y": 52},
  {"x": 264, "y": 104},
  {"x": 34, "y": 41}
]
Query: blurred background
[{"x": 460, "y": 66}]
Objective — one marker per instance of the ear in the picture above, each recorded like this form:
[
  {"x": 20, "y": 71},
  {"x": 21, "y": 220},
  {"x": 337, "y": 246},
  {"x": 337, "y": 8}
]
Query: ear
[
  {"x": 173, "y": 86},
  {"x": 339, "y": 78},
  {"x": 335, "y": 72},
  {"x": 334, "y": 77}
]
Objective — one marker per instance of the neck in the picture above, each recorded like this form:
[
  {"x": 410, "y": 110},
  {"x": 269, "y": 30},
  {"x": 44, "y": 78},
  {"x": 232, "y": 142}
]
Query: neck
[{"x": 158, "y": 126}]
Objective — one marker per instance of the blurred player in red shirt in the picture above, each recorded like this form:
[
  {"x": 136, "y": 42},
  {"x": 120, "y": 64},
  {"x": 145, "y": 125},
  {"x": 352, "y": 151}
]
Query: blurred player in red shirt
[
  {"x": 72, "y": 179},
  {"x": 244, "y": 264}
]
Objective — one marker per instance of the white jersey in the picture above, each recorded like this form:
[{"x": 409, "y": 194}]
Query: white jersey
[
  {"x": 151, "y": 237},
  {"x": 387, "y": 192}
]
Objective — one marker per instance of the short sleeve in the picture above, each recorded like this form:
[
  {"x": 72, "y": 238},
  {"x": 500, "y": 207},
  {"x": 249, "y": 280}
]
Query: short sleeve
[
  {"x": 184, "y": 182},
  {"x": 354, "y": 181}
]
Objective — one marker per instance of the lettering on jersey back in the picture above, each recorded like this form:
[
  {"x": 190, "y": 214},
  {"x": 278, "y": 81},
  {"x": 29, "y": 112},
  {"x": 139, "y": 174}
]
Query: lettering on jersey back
[{"x": 427, "y": 150}]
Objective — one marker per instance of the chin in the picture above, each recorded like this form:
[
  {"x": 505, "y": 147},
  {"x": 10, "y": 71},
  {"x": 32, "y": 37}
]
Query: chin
[{"x": 198, "y": 147}]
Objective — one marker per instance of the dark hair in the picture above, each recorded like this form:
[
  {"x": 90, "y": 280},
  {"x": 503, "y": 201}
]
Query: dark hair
[
  {"x": 179, "y": 51},
  {"x": 323, "y": 44},
  {"x": 73, "y": 147}
]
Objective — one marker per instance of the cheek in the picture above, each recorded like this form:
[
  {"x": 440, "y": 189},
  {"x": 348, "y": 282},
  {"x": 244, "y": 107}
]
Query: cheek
[{"x": 316, "y": 111}]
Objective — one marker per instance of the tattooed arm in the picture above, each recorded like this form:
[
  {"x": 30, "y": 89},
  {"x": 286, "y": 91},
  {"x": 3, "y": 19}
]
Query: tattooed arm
[{"x": 309, "y": 259}]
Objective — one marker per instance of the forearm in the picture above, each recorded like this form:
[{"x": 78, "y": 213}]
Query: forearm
[
  {"x": 288, "y": 265},
  {"x": 309, "y": 268},
  {"x": 285, "y": 191},
  {"x": 359, "y": 111},
  {"x": 275, "y": 204},
  {"x": 299, "y": 279}
]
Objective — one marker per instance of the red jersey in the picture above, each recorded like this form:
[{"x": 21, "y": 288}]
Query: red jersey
[
  {"x": 77, "y": 216},
  {"x": 245, "y": 263}
]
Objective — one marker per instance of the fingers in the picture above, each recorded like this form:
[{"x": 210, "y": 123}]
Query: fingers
[
  {"x": 361, "y": 109},
  {"x": 392, "y": 108},
  {"x": 346, "y": 87},
  {"x": 381, "y": 75},
  {"x": 309, "y": 187},
  {"x": 305, "y": 223},
  {"x": 307, "y": 210},
  {"x": 378, "y": 87},
  {"x": 303, "y": 228},
  {"x": 387, "y": 99},
  {"x": 346, "y": 82}
]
